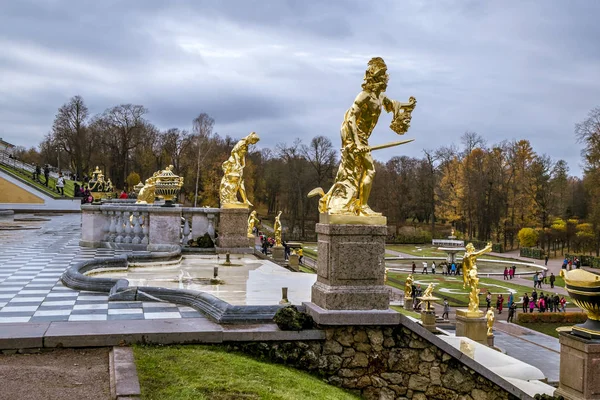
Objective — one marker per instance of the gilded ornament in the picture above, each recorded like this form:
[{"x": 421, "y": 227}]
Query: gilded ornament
[
  {"x": 146, "y": 194},
  {"x": 490, "y": 317},
  {"x": 470, "y": 278},
  {"x": 408, "y": 287},
  {"x": 232, "y": 183},
  {"x": 277, "y": 229},
  {"x": 252, "y": 222},
  {"x": 584, "y": 289},
  {"x": 350, "y": 192}
]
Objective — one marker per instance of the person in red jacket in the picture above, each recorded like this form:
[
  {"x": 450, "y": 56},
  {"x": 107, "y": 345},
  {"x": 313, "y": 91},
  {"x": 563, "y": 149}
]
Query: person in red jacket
[{"x": 123, "y": 195}]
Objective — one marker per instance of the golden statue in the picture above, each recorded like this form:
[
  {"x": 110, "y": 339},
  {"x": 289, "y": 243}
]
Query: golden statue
[
  {"x": 146, "y": 194},
  {"x": 277, "y": 230},
  {"x": 427, "y": 295},
  {"x": 408, "y": 287},
  {"x": 233, "y": 180},
  {"x": 490, "y": 317},
  {"x": 470, "y": 278},
  {"x": 252, "y": 222},
  {"x": 350, "y": 191}
]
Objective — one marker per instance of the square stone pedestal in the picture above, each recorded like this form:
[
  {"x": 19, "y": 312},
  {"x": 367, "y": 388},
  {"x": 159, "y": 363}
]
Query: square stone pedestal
[
  {"x": 351, "y": 267},
  {"x": 408, "y": 303},
  {"x": 294, "y": 262},
  {"x": 278, "y": 253},
  {"x": 579, "y": 368},
  {"x": 233, "y": 229},
  {"x": 428, "y": 320},
  {"x": 475, "y": 328}
]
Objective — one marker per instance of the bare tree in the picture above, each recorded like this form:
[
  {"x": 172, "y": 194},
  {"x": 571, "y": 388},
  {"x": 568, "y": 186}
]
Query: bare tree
[
  {"x": 202, "y": 132},
  {"x": 322, "y": 156}
]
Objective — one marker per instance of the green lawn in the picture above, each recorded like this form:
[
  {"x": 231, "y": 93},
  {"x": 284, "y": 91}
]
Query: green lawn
[
  {"x": 196, "y": 372},
  {"x": 547, "y": 328},
  {"x": 50, "y": 190},
  {"x": 452, "y": 287},
  {"x": 409, "y": 313}
]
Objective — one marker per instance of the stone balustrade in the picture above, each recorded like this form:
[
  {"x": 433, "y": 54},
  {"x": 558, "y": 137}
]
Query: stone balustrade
[{"x": 135, "y": 226}]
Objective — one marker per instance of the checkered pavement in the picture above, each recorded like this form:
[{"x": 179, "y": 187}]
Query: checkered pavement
[{"x": 31, "y": 263}]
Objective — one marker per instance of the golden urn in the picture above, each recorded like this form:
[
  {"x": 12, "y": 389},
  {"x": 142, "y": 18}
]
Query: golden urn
[
  {"x": 584, "y": 289},
  {"x": 168, "y": 185}
]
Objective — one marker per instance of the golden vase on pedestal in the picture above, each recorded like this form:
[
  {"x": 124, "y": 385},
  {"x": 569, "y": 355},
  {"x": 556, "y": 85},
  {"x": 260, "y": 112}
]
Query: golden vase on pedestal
[{"x": 167, "y": 186}]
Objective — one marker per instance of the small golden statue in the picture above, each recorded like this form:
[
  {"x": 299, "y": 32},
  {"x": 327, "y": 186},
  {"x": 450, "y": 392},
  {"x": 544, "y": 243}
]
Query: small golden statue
[
  {"x": 277, "y": 230},
  {"x": 470, "y": 278},
  {"x": 428, "y": 297},
  {"x": 350, "y": 191},
  {"x": 490, "y": 317},
  {"x": 408, "y": 287},
  {"x": 146, "y": 194},
  {"x": 233, "y": 180},
  {"x": 252, "y": 222}
]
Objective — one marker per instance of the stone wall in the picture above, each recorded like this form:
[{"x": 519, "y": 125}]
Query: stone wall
[{"x": 388, "y": 363}]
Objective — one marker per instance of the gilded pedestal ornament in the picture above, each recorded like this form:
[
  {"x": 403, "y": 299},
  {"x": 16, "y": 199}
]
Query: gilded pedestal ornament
[
  {"x": 584, "y": 289},
  {"x": 349, "y": 195},
  {"x": 277, "y": 229},
  {"x": 490, "y": 317},
  {"x": 146, "y": 194},
  {"x": 98, "y": 186},
  {"x": 252, "y": 222},
  {"x": 408, "y": 287},
  {"x": 471, "y": 280},
  {"x": 167, "y": 185},
  {"x": 232, "y": 183}
]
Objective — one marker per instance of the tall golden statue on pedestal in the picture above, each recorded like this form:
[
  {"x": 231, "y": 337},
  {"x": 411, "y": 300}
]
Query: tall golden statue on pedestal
[
  {"x": 277, "y": 229},
  {"x": 350, "y": 192},
  {"x": 408, "y": 287},
  {"x": 252, "y": 222},
  {"x": 233, "y": 180},
  {"x": 470, "y": 278}
]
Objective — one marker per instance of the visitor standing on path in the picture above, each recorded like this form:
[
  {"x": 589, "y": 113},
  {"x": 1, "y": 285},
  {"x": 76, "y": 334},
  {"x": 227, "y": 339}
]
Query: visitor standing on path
[
  {"x": 424, "y": 268},
  {"x": 525, "y": 302},
  {"x": 535, "y": 280},
  {"x": 500, "y": 303},
  {"x": 488, "y": 300},
  {"x": 552, "y": 279},
  {"x": 60, "y": 184},
  {"x": 46, "y": 174},
  {"x": 512, "y": 310},
  {"x": 433, "y": 267},
  {"x": 546, "y": 260},
  {"x": 446, "y": 309},
  {"x": 414, "y": 267},
  {"x": 505, "y": 273}
]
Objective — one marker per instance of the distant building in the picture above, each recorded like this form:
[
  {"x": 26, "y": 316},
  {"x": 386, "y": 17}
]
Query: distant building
[{"x": 7, "y": 147}]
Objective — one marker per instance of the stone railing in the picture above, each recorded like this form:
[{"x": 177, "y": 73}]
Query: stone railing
[
  {"x": 135, "y": 226},
  {"x": 448, "y": 242}
]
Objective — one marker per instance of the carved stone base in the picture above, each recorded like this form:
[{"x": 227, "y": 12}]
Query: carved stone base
[
  {"x": 473, "y": 328},
  {"x": 233, "y": 228},
  {"x": 278, "y": 253},
  {"x": 579, "y": 368},
  {"x": 294, "y": 262},
  {"x": 408, "y": 303},
  {"x": 351, "y": 268},
  {"x": 428, "y": 319}
]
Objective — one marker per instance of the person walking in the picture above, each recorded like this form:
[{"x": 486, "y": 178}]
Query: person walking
[
  {"x": 511, "y": 300},
  {"x": 552, "y": 279},
  {"x": 488, "y": 300},
  {"x": 512, "y": 310},
  {"x": 300, "y": 254},
  {"x": 446, "y": 309},
  {"x": 433, "y": 267},
  {"x": 546, "y": 260},
  {"x": 500, "y": 303},
  {"x": 531, "y": 305},
  {"x": 60, "y": 184},
  {"x": 535, "y": 280},
  {"x": 514, "y": 270},
  {"x": 525, "y": 302},
  {"x": 414, "y": 267},
  {"x": 511, "y": 273},
  {"x": 46, "y": 174},
  {"x": 505, "y": 273},
  {"x": 544, "y": 273},
  {"x": 563, "y": 303},
  {"x": 453, "y": 269},
  {"x": 38, "y": 171},
  {"x": 424, "y": 268}
]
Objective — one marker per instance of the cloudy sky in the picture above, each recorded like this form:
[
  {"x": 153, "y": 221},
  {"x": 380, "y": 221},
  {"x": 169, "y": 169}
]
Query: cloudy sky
[{"x": 287, "y": 69}]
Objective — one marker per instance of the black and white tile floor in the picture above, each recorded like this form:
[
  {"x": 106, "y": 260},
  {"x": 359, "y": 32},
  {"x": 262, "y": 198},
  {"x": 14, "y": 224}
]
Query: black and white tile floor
[{"x": 31, "y": 263}]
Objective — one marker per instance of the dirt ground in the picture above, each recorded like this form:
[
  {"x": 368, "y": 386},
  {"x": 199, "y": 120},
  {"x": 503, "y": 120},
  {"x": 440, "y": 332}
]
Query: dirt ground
[{"x": 61, "y": 374}]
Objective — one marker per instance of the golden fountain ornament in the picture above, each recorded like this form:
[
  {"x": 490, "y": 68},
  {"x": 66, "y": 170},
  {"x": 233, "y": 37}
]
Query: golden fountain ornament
[
  {"x": 98, "y": 186},
  {"x": 277, "y": 230},
  {"x": 252, "y": 222},
  {"x": 349, "y": 195},
  {"x": 167, "y": 185},
  {"x": 232, "y": 183},
  {"x": 470, "y": 279},
  {"x": 584, "y": 289}
]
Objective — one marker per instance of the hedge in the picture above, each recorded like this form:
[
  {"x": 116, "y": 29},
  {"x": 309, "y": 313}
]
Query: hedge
[
  {"x": 422, "y": 238},
  {"x": 555, "y": 317},
  {"x": 480, "y": 244},
  {"x": 532, "y": 252},
  {"x": 589, "y": 261}
]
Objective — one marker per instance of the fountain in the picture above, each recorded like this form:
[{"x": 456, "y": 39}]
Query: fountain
[{"x": 451, "y": 246}]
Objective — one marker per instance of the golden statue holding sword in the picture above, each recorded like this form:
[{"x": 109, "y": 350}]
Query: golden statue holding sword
[{"x": 350, "y": 192}]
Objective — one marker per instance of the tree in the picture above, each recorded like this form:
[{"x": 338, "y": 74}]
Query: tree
[
  {"x": 70, "y": 133},
  {"x": 202, "y": 127},
  {"x": 322, "y": 157},
  {"x": 528, "y": 237}
]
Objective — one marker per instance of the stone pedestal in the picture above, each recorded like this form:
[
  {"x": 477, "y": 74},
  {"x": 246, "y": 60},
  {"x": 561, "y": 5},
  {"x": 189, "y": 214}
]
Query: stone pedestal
[
  {"x": 92, "y": 221},
  {"x": 428, "y": 320},
  {"x": 165, "y": 226},
  {"x": 350, "y": 267},
  {"x": 233, "y": 229},
  {"x": 490, "y": 341},
  {"x": 252, "y": 241},
  {"x": 579, "y": 368},
  {"x": 294, "y": 262},
  {"x": 475, "y": 328},
  {"x": 278, "y": 253},
  {"x": 408, "y": 303}
]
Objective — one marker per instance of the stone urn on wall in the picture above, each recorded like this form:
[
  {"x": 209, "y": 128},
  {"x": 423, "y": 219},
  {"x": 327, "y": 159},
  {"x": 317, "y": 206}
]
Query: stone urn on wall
[{"x": 168, "y": 185}]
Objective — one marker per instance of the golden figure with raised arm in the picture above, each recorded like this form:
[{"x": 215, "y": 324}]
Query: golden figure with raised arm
[
  {"x": 350, "y": 192},
  {"x": 232, "y": 183},
  {"x": 252, "y": 222},
  {"x": 470, "y": 278},
  {"x": 490, "y": 317},
  {"x": 408, "y": 287},
  {"x": 277, "y": 229}
]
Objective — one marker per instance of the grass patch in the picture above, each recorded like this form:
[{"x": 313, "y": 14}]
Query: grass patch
[
  {"x": 197, "y": 372},
  {"x": 401, "y": 310},
  {"x": 547, "y": 328},
  {"x": 50, "y": 190},
  {"x": 451, "y": 288},
  {"x": 307, "y": 270}
]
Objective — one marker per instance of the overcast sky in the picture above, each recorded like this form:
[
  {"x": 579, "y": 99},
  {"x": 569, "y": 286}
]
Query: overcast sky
[{"x": 287, "y": 69}]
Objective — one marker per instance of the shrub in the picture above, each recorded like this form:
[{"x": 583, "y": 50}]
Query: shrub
[
  {"x": 528, "y": 237},
  {"x": 496, "y": 247},
  {"x": 290, "y": 319},
  {"x": 532, "y": 252},
  {"x": 132, "y": 180},
  {"x": 552, "y": 317}
]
